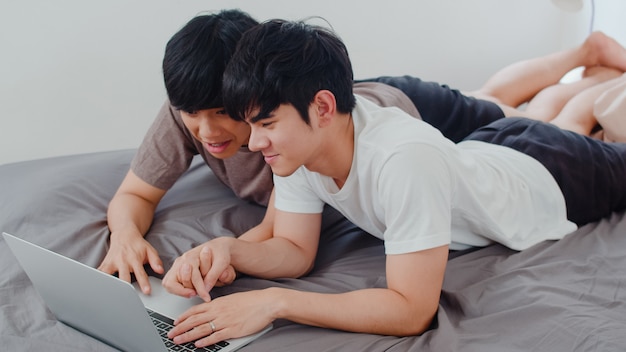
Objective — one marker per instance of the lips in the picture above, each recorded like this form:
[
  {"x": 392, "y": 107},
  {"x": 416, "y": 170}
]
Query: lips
[
  {"x": 216, "y": 148},
  {"x": 270, "y": 158}
]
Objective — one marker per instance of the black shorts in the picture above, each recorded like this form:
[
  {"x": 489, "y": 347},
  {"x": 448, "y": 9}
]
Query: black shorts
[
  {"x": 451, "y": 112},
  {"x": 590, "y": 173}
]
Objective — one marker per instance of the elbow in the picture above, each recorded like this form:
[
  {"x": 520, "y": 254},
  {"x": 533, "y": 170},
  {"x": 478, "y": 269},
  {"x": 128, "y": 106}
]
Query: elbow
[
  {"x": 286, "y": 265},
  {"x": 416, "y": 323},
  {"x": 302, "y": 269},
  {"x": 307, "y": 268},
  {"x": 298, "y": 261},
  {"x": 422, "y": 325}
]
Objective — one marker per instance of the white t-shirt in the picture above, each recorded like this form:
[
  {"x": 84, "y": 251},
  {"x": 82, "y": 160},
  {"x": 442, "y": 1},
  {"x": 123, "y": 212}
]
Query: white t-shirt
[{"x": 416, "y": 190}]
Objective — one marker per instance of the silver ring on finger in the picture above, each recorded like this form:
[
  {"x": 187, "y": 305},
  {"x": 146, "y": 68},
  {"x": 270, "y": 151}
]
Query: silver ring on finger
[{"x": 212, "y": 327}]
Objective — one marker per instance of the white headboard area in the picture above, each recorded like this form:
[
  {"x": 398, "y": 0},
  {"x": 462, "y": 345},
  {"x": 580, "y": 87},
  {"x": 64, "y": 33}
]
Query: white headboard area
[{"x": 82, "y": 76}]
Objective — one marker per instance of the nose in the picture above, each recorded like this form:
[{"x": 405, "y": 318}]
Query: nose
[
  {"x": 208, "y": 129},
  {"x": 257, "y": 141}
]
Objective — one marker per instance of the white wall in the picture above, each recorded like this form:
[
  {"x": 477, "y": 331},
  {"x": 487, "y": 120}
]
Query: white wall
[{"x": 80, "y": 76}]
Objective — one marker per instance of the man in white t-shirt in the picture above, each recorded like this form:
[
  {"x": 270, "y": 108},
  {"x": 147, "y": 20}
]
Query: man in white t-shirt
[
  {"x": 192, "y": 122},
  {"x": 515, "y": 181}
]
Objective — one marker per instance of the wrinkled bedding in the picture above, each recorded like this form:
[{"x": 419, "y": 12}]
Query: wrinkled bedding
[{"x": 568, "y": 295}]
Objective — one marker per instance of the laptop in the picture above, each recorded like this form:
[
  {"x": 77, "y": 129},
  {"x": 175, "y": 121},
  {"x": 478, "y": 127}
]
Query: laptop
[{"x": 105, "y": 307}]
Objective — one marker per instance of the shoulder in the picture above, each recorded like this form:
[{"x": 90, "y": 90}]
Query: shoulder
[
  {"x": 166, "y": 150},
  {"x": 387, "y": 127},
  {"x": 385, "y": 95}
]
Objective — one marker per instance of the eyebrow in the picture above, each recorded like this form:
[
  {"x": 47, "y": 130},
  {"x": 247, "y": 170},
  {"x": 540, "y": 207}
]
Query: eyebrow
[{"x": 260, "y": 116}]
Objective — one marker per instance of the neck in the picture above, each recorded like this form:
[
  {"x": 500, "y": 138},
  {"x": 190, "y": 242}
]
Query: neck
[{"x": 335, "y": 160}]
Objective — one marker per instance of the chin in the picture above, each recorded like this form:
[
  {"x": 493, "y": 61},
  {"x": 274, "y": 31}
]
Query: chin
[
  {"x": 282, "y": 172},
  {"x": 223, "y": 156}
]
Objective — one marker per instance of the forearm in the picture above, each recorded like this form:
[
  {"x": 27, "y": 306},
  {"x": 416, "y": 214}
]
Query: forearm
[
  {"x": 129, "y": 213},
  {"x": 129, "y": 217},
  {"x": 264, "y": 230},
  {"x": 406, "y": 307},
  {"x": 272, "y": 258},
  {"x": 376, "y": 311},
  {"x": 259, "y": 233}
]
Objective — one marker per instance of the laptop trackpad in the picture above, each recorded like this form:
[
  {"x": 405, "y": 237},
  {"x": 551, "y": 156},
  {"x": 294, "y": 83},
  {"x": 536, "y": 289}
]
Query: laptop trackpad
[{"x": 164, "y": 302}]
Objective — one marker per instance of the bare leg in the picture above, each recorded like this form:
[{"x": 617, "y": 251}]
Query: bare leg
[
  {"x": 610, "y": 110},
  {"x": 549, "y": 102},
  {"x": 518, "y": 83},
  {"x": 577, "y": 115}
]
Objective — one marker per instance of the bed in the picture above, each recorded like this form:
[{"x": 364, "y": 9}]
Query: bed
[{"x": 568, "y": 295}]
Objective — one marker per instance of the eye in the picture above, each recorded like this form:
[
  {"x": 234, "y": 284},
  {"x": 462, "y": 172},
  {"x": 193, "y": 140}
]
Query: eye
[
  {"x": 267, "y": 123},
  {"x": 221, "y": 112}
]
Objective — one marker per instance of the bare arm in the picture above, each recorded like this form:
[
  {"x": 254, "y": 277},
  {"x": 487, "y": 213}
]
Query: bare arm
[
  {"x": 129, "y": 217},
  {"x": 405, "y": 307},
  {"x": 291, "y": 254},
  {"x": 190, "y": 266},
  {"x": 265, "y": 229}
]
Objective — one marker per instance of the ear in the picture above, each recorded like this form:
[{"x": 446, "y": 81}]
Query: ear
[{"x": 324, "y": 106}]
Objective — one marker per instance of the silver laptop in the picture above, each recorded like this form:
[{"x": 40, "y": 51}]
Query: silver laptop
[{"x": 105, "y": 307}]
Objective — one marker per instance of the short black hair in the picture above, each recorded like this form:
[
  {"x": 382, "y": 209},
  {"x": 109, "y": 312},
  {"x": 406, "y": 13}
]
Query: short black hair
[
  {"x": 196, "y": 56},
  {"x": 282, "y": 62}
]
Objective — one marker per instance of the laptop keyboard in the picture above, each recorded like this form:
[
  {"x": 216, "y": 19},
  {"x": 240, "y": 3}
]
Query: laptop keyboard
[{"x": 164, "y": 324}]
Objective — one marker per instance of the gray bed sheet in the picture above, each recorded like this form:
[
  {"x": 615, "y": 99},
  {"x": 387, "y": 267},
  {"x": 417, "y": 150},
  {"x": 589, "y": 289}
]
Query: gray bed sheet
[{"x": 568, "y": 295}]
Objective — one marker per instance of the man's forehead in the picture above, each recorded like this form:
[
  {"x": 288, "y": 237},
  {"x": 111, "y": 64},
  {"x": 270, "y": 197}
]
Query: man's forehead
[{"x": 256, "y": 113}]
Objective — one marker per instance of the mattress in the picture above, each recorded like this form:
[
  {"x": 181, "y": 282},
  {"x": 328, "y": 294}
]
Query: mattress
[{"x": 567, "y": 295}]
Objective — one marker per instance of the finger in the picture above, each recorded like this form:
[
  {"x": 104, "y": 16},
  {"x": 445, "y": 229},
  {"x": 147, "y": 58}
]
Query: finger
[
  {"x": 172, "y": 285},
  {"x": 217, "y": 268},
  {"x": 192, "y": 319},
  {"x": 217, "y": 336},
  {"x": 184, "y": 275},
  {"x": 142, "y": 280},
  {"x": 192, "y": 334},
  {"x": 190, "y": 315},
  {"x": 198, "y": 284},
  {"x": 227, "y": 277},
  {"x": 155, "y": 262},
  {"x": 124, "y": 274},
  {"x": 106, "y": 268},
  {"x": 205, "y": 260}
]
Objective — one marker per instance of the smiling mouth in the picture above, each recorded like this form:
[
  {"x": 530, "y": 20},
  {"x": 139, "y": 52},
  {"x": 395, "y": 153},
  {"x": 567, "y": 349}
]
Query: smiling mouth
[{"x": 217, "y": 148}]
